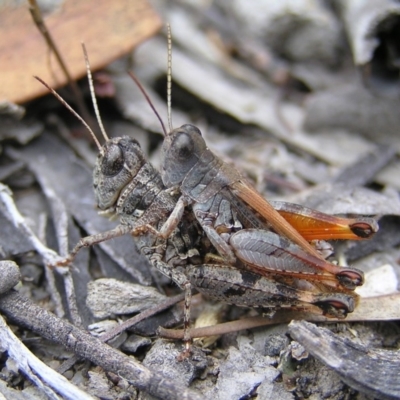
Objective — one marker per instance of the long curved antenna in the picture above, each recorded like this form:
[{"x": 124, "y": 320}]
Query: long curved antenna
[
  {"x": 93, "y": 96},
  {"x": 141, "y": 88},
  {"x": 65, "y": 104},
  {"x": 169, "y": 74},
  {"x": 169, "y": 77}
]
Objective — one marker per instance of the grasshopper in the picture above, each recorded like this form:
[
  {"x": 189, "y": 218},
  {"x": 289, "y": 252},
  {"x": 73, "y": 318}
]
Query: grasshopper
[
  {"x": 128, "y": 186},
  {"x": 239, "y": 224},
  {"x": 274, "y": 240},
  {"x": 210, "y": 186}
]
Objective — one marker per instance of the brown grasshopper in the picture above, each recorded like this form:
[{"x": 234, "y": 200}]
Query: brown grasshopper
[
  {"x": 224, "y": 203},
  {"x": 127, "y": 185},
  {"x": 211, "y": 186}
]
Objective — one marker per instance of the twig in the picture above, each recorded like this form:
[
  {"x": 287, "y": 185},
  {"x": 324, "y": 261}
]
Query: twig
[
  {"x": 226, "y": 327},
  {"x": 66, "y": 365},
  {"x": 10, "y": 275},
  {"x": 46, "y": 379},
  {"x": 49, "y": 272},
  {"x": 142, "y": 316},
  {"x": 49, "y": 256},
  {"x": 39, "y": 22},
  {"x": 369, "y": 309},
  {"x": 374, "y": 372},
  {"x": 24, "y": 313},
  {"x": 60, "y": 217}
]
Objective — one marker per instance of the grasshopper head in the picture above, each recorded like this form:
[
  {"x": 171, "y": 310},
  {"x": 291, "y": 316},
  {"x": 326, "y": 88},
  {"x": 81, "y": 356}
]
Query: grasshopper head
[
  {"x": 116, "y": 165},
  {"x": 182, "y": 148}
]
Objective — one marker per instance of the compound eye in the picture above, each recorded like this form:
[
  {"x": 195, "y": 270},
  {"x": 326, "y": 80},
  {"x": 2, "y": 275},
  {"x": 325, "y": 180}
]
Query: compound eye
[
  {"x": 191, "y": 128},
  {"x": 113, "y": 160},
  {"x": 184, "y": 146}
]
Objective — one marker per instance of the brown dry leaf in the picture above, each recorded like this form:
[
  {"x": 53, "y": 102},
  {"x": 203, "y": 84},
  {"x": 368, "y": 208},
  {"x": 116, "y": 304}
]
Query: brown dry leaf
[{"x": 109, "y": 29}]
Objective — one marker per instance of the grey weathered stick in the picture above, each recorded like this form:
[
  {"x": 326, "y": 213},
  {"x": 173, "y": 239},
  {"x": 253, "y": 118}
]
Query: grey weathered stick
[
  {"x": 46, "y": 379},
  {"x": 49, "y": 256},
  {"x": 60, "y": 218},
  {"x": 28, "y": 315},
  {"x": 371, "y": 371},
  {"x": 10, "y": 275},
  {"x": 66, "y": 365},
  {"x": 58, "y": 307},
  {"x": 6, "y": 202}
]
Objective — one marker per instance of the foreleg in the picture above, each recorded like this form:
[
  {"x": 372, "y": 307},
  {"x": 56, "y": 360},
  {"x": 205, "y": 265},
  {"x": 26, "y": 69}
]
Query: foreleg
[{"x": 87, "y": 241}]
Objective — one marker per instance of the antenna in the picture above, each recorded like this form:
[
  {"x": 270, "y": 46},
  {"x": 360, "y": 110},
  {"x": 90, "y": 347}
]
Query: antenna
[
  {"x": 93, "y": 96},
  {"x": 141, "y": 88},
  {"x": 169, "y": 75},
  {"x": 65, "y": 104}
]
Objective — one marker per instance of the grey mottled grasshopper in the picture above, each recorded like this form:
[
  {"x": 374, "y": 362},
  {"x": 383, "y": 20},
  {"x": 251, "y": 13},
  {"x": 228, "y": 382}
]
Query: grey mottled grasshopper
[
  {"x": 127, "y": 185},
  {"x": 269, "y": 242},
  {"x": 243, "y": 226}
]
